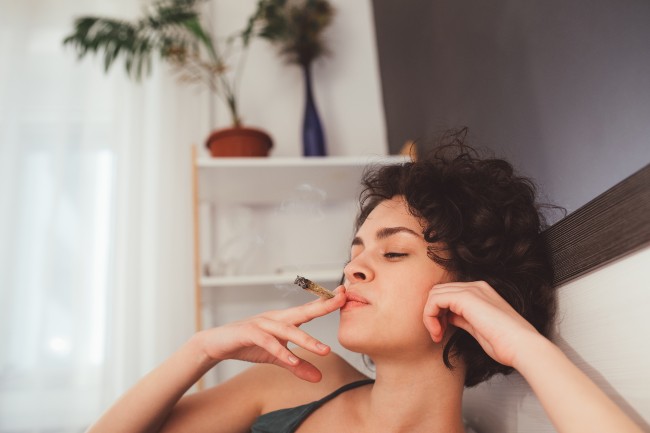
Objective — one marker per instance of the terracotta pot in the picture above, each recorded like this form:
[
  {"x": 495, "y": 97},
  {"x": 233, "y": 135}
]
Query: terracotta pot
[{"x": 240, "y": 142}]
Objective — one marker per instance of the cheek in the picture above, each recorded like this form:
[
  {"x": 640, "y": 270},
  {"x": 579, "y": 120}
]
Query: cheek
[
  {"x": 405, "y": 309},
  {"x": 401, "y": 312},
  {"x": 389, "y": 328},
  {"x": 414, "y": 292}
]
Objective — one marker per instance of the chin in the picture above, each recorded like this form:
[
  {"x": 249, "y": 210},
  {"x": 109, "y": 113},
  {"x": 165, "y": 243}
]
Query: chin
[
  {"x": 355, "y": 340},
  {"x": 365, "y": 340}
]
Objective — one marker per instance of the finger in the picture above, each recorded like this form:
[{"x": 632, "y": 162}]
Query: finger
[
  {"x": 303, "y": 370},
  {"x": 431, "y": 319},
  {"x": 304, "y": 313},
  {"x": 443, "y": 318},
  {"x": 437, "y": 324},
  {"x": 476, "y": 286},
  {"x": 437, "y": 310},
  {"x": 462, "y": 284},
  {"x": 452, "y": 284},
  {"x": 459, "y": 322},
  {"x": 438, "y": 290},
  {"x": 288, "y": 332},
  {"x": 433, "y": 326},
  {"x": 448, "y": 298},
  {"x": 435, "y": 304},
  {"x": 281, "y": 355}
]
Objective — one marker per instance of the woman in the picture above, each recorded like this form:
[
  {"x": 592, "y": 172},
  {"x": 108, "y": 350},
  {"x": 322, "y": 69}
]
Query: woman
[{"x": 448, "y": 284}]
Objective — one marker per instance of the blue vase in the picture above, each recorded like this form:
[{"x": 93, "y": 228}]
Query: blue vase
[{"x": 313, "y": 139}]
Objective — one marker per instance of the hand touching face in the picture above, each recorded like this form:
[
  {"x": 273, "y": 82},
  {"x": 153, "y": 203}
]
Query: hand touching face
[{"x": 478, "y": 309}]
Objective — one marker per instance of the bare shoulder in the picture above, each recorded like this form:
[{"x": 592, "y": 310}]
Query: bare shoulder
[
  {"x": 283, "y": 389},
  {"x": 260, "y": 389}
]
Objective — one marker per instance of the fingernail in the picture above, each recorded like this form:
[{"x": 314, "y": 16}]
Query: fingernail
[
  {"x": 293, "y": 359},
  {"x": 321, "y": 346}
]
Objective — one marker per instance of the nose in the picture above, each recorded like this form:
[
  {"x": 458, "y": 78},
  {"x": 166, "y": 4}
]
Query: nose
[{"x": 357, "y": 270}]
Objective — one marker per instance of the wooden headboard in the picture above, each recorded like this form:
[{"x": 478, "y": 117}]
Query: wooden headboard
[{"x": 601, "y": 260}]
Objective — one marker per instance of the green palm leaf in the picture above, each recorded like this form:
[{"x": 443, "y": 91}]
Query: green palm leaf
[{"x": 171, "y": 27}]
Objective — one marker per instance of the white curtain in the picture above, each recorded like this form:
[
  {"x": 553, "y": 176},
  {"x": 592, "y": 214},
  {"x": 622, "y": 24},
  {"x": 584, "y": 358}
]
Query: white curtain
[{"x": 96, "y": 267}]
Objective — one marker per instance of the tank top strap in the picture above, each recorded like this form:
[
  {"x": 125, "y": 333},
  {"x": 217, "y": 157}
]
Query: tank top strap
[
  {"x": 343, "y": 389},
  {"x": 289, "y": 419}
]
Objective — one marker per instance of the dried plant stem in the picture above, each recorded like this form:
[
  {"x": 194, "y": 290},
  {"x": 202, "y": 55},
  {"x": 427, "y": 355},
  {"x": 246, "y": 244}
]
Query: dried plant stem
[{"x": 312, "y": 287}]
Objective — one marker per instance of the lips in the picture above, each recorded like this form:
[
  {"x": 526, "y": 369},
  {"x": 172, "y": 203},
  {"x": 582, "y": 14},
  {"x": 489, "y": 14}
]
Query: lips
[{"x": 354, "y": 300}]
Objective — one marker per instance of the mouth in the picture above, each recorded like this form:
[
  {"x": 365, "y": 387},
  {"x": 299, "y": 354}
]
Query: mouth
[{"x": 354, "y": 301}]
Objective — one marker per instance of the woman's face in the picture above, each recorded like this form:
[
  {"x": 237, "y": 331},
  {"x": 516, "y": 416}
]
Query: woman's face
[{"x": 387, "y": 281}]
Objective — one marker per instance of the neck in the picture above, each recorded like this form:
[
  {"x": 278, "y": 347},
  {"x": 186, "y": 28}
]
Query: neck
[{"x": 413, "y": 394}]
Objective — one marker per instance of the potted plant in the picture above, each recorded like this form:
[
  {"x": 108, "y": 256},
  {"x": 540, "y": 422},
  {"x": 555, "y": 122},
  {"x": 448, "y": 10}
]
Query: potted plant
[
  {"x": 296, "y": 27},
  {"x": 173, "y": 30}
]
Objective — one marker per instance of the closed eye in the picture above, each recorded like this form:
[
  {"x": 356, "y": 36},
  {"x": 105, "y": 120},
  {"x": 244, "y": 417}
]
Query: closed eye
[{"x": 395, "y": 255}]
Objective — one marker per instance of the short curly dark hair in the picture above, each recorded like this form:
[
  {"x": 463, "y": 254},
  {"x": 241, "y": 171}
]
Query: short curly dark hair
[{"x": 485, "y": 220}]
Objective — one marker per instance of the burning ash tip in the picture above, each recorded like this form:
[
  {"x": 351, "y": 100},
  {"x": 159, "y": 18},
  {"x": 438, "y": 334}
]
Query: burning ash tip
[{"x": 302, "y": 282}]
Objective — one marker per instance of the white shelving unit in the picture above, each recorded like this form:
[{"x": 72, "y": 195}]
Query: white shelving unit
[
  {"x": 269, "y": 180},
  {"x": 262, "y": 183}
]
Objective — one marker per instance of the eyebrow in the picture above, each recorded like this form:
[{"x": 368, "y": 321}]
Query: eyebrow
[{"x": 387, "y": 232}]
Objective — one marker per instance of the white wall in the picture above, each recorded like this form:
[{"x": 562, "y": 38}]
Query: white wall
[
  {"x": 347, "y": 84},
  {"x": 603, "y": 327}
]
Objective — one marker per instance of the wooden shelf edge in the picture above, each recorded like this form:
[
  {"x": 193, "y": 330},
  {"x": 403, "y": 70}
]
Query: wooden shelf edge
[{"x": 333, "y": 161}]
